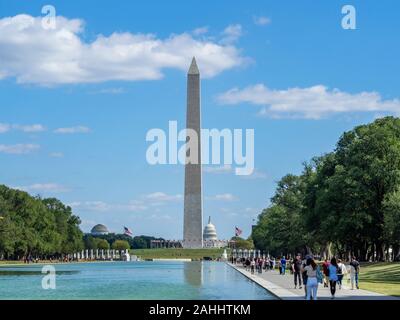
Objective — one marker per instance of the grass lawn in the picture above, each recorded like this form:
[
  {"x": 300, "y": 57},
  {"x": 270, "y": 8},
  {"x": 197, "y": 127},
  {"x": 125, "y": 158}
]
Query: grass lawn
[
  {"x": 177, "y": 253},
  {"x": 381, "y": 277}
]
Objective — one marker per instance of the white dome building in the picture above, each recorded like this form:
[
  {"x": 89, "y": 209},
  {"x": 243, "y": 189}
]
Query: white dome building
[
  {"x": 210, "y": 236},
  {"x": 210, "y": 233},
  {"x": 99, "y": 230}
]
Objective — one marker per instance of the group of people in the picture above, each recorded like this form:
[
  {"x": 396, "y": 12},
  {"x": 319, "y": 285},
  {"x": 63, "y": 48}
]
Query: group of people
[
  {"x": 308, "y": 273},
  {"x": 257, "y": 264}
]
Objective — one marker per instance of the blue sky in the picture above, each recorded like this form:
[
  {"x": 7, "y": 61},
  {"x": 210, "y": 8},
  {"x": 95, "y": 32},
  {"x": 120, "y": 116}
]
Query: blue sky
[{"x": 77, "y": 101}]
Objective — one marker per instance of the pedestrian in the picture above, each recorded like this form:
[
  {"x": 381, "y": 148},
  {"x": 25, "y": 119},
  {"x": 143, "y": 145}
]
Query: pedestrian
[
  {"x": 341, "y": 272},
  {"x": 311, "y": 270},
  {"x": 333, "y": 277},
  {"x": 252, "y": 265},
  {"x": 304, "y": 274},
  {"x": 279, "y": 265},
  {"x": 296, "y": 268},
  {"x": 260, "y": 265},
  {"x": 247, "y": 264},
  {"x": 266, "y": 264},
  {"x": 325, "y": 270},
  {"x": 283, "y": 265},
  {"x": 354, "y": 271}
]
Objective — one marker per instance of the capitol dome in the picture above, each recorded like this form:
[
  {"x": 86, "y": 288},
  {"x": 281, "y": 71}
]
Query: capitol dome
[
  {"x": 99, "y": 229},
  {"x": 210, "y": 233}
]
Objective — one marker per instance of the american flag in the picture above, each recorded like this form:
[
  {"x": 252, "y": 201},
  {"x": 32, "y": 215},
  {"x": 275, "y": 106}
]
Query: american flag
[
  {"x": 127, "y": 232},
  {"x": 238, "y": 232}
]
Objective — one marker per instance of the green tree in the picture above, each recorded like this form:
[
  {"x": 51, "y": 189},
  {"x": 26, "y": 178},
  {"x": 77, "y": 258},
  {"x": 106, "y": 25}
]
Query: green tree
[
  {"x": 120, "y": 245},
  {"x": 34, "y": 226},
  {"x": 241, "y": 243},
  {"x": 280, "y": 228},
  {"x": 102, "y": 244},
  {"x": 391, "y": 226}
]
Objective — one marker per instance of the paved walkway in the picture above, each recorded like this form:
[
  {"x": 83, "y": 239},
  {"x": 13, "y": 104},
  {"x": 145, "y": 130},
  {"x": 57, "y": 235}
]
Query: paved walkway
[{"x": 282, "y": 286}]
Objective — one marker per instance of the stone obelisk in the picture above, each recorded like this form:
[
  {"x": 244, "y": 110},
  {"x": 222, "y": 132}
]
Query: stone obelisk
[{"x": 193, "y": 204}]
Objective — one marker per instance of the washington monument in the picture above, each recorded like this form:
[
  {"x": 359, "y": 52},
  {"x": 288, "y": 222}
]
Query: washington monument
[{"x": 193, "y": 206}]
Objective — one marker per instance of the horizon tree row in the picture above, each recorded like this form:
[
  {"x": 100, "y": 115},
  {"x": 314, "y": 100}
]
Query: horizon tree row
[
  {"x": 344, "y": 203},
  {"x": 36, "y": 227}
]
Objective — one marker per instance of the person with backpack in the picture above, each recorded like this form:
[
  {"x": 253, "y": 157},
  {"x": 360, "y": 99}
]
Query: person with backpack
[
  {"x": 333, "y": 277},
  {"x": 311, "y": 270},
  {"x": 354, "y": 271}
]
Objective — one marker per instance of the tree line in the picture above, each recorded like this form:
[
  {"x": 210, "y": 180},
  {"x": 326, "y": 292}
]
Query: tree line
[
  {"x": 32, "y": 226},
  {"x": 117, "y": 241},
  {"x": 42, "y": 228},
  {"x": 346, "y": 202}
]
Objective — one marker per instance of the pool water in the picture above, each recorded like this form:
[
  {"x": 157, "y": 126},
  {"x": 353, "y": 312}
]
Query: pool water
[{"x": 131, "y": 280}]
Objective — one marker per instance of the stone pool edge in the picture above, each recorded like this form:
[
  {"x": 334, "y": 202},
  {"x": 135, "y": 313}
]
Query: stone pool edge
[{"x": 277, "y": 291}]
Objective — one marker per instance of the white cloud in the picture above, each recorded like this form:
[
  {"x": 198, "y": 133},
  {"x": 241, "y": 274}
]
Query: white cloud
[
  {"x": 101, "y": 206},
  {"x": 151, "y": 200},
  {"x": 43, "y": 187},
  {"x": 261, "y": 21},
  {"x": 163, "y": 197},
  {"x": 218, "y": 169},
  {"x": 257, "y": 174},
  {"x": 72, "y": 130},
  {"x": 90, "y": 205},
  {"x": 61, "y": 56},
  {"x": 56, "y": 155},
  {"x": 231, "y": 33},
  {"x": 223, "y": 197},
  {"x": 4, "y": 127},
  {"x": 200, "y": 31},
  {"x": 30, "y": 128},
  {"x": 310, "y": 103},
  {"x": 18, "y": 148},
  {"x": 109, "y": 91}
]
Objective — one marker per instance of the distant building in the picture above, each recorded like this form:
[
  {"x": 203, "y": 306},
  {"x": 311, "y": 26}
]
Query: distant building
[
  {"x": 210, "y": 233},
  {"x": 210, "y": 238},
  {"x": 99, "y": 230}
]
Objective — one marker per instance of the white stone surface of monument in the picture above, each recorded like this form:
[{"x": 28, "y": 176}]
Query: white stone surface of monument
[{"x": 193, "y": 204}]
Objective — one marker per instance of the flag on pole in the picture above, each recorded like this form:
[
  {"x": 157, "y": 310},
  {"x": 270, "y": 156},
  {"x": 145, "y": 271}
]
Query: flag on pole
[
  {"x": 238, "y": 232},
  {"x": 127, "y": 232}
]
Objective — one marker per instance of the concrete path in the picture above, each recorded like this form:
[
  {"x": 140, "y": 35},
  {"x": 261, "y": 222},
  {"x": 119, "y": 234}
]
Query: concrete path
[{"x": 282, "y": 286}]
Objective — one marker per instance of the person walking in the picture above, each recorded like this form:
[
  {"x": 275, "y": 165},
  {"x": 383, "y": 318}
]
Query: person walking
[
  {"x": 280, "y": 265},
  {"x": 304, "y": 274},
  {"x": 260, "y": 265},
  {"x": 247, "y": 264},
  {"x": 267, "y": 264},
  {"x": 325, "y": 270},
  {"x": 333, "y": 277},
  {"x": 252, "y": 266},
  {"x": 342, "y": 271},
  {"x": 296, "y": 268},
  {"x": 311, "y": 270},
  {"x": 283, "y": 265},
  {"x": 354, "y": 271}
]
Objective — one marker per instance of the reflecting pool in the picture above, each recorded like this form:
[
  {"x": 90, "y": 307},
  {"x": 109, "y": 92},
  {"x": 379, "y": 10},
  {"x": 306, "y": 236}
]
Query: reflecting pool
[{"x": 131, "y": 280}]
